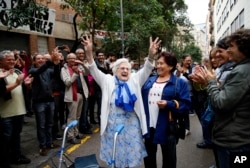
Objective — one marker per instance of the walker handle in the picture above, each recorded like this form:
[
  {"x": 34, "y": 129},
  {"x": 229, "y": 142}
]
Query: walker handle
[
  {"x": 119, "y": 128},
  {"x": 72, "y": 124}
]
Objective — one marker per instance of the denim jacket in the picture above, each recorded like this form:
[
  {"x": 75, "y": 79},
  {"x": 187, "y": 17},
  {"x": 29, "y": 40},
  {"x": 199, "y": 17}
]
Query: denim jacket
[{"x": 175, "y": 89}]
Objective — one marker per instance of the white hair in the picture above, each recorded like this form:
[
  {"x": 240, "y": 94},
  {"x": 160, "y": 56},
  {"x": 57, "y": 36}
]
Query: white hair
[
  {"x": 4, "y": 53},
  {"x": 79, "y": 50},
  {"x": 118, "y": 62}
]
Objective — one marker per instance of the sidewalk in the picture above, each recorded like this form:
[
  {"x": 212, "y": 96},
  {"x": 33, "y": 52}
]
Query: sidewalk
[
  {"x": 30, "y": 145},
  {"x": 189, "y": 156}
]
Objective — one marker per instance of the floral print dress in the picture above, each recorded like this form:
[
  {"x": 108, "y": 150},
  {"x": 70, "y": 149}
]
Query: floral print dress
[{"x": 130, "y": 149}]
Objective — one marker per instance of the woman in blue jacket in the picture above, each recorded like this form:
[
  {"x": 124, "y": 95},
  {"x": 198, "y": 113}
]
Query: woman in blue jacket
[{"x": 162, "y": 94}]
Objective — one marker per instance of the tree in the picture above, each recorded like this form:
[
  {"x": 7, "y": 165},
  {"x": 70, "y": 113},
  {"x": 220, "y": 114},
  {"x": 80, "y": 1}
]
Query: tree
[
  {"x": 142, "y": 18},
  {"x": 194, "y": 51}
]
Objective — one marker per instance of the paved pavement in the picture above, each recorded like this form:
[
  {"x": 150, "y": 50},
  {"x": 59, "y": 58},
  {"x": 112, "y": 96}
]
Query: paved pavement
[{"x": 188, "y": 155}]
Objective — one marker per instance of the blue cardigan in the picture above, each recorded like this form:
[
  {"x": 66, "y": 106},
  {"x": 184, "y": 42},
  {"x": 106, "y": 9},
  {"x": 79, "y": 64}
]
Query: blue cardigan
[{"x": 171, "y": 91}]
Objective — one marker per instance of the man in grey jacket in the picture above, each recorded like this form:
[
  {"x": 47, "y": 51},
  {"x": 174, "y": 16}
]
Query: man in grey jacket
[{"x": 75, "y": 88}]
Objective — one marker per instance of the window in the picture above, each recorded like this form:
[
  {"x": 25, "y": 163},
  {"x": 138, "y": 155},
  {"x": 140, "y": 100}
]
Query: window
[
  {"x": 63, "y": 17},
  {"x": 233, "y": 27},
  {"x": 241, "y": 19},
  {"x": 71, "y": 18},
  {"x": 231, "y": 3}
]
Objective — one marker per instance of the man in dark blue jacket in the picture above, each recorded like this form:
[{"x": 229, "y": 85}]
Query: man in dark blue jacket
[{"x": 43, "y": 100}]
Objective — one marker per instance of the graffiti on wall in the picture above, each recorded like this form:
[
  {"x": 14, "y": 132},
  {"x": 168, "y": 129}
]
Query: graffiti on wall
[{"x": 43, "y": 21}]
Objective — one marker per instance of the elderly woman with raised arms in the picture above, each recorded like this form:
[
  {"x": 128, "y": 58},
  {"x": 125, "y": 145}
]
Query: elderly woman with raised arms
[{"x": 122, "y": 104}]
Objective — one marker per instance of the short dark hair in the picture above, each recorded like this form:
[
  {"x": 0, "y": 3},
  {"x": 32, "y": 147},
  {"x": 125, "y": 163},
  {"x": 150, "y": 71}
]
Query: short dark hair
[
  {"x": 242, "y": 39},
  {"x": 99, "y": 51},
  {"x": 111, "y": 54},
  {"x": 222, "y": 43},
  {"x": 169, "y": 58}
]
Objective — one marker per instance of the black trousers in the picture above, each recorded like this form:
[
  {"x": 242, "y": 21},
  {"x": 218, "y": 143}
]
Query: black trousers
[{"x": 168, "y": 152}]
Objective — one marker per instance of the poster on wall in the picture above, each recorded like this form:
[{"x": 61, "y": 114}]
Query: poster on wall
[{"x": 44, "y": 21}]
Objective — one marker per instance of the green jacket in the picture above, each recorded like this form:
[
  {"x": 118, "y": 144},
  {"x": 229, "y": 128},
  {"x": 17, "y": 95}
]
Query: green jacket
[{"x": 232, "y": 107}]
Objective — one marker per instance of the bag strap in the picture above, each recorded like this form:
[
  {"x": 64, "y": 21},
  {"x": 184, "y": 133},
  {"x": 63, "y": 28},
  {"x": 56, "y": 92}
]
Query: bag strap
[{"x": 170, "y": 118}]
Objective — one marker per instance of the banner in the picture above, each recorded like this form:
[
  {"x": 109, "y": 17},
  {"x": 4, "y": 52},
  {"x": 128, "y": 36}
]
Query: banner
[
  {"x": 43, "y": 22},
  {"x": 101, "y": 34}
]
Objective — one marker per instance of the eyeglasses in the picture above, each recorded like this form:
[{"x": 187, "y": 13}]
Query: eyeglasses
[
  {"x": 124, "y": 68},
  {"x": 71, "y": 58}
]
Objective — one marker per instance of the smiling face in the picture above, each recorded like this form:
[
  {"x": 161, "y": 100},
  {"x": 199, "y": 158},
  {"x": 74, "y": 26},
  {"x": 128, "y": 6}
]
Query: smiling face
[
  {"x": 234, "y": 53},
  {"x": 222, "y": 56},
  {"x": 187, "y": 61},
  {"x": 213, "y": 59},
  {"x": 80, "y": 54},
  {"x": 8, "y": 62},
  {"x": 123, "y": 71},
  {"x": 163, "y": 69},
  {"x": 39, "y": 60},
  {"x": 71, "y": 57}
]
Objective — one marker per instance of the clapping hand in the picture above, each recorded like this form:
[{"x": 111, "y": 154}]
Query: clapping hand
[
  {"x": 6, "y": 73},
  {"x": 202, "y": 75},
  {"x": 19, "y": 79},
  {"x": 28, "y": 81}
]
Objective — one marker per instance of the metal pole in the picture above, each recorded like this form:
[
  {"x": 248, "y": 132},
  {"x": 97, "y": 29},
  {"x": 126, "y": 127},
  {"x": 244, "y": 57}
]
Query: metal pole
[{"x": 122, "y": 33}]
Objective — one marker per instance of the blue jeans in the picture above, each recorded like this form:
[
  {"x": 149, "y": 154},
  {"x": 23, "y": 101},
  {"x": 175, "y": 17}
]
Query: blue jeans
[
  {"x": 225, "y": 156},
  {"x": 11, "y": 128},
  {"x": 98, "y": 97},
  {"x": 44, "y": 112},
  {"x": 59, "y": 114},
  {"x": 83, "y": 121},
  {"x": 207, "y": 132}
]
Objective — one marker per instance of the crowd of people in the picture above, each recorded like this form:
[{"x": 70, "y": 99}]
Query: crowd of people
[
  {"x": 53, "y": 89},
  {"x": 58, "y": 89}
]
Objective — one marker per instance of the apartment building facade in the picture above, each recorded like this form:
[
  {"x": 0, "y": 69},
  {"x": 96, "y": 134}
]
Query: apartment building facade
[{"x": 225, "y": 17}]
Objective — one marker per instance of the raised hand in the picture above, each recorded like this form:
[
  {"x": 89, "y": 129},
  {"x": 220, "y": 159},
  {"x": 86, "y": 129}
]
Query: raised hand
[
  {"x": 56, "y": 56},
  {"x": 153, "y": 46},
  {"x": 88, "y": 47}
]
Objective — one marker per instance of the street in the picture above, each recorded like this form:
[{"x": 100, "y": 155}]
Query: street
[{"x": 188, "y": 155}]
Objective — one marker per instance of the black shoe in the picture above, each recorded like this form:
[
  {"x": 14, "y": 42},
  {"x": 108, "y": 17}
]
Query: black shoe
[
  {"x": 25, "y": 122},
  {"x": 93, "y": 122},
  {"x": 53, "y": 146},
  {"x": 58, "y": 137},
  {"x": 44, "y": 151},
  {"x": 203, "y": 145},
  {"x": 5, "y": 166},
  {"x": 22, "y": 160},
  {"x": 28, "y": 115},
  {"x": 74, "y": 141},
  {"x": 87, "y": 131},
  {"x": 79, "y": 136}
]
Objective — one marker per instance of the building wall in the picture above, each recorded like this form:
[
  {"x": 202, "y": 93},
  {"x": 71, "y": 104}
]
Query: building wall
[
  {"x": 234, "y": 11},
  {"x": 33, "y": 42}
]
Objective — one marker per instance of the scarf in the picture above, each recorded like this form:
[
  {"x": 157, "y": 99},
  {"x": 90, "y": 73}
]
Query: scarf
[
  {"x": 74, "y": 85},
  {"x": 124, "y": 99}
]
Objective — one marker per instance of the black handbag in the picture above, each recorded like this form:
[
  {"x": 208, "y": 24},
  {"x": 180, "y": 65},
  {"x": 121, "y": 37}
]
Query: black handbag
[{"x": 176, "y": 125}]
